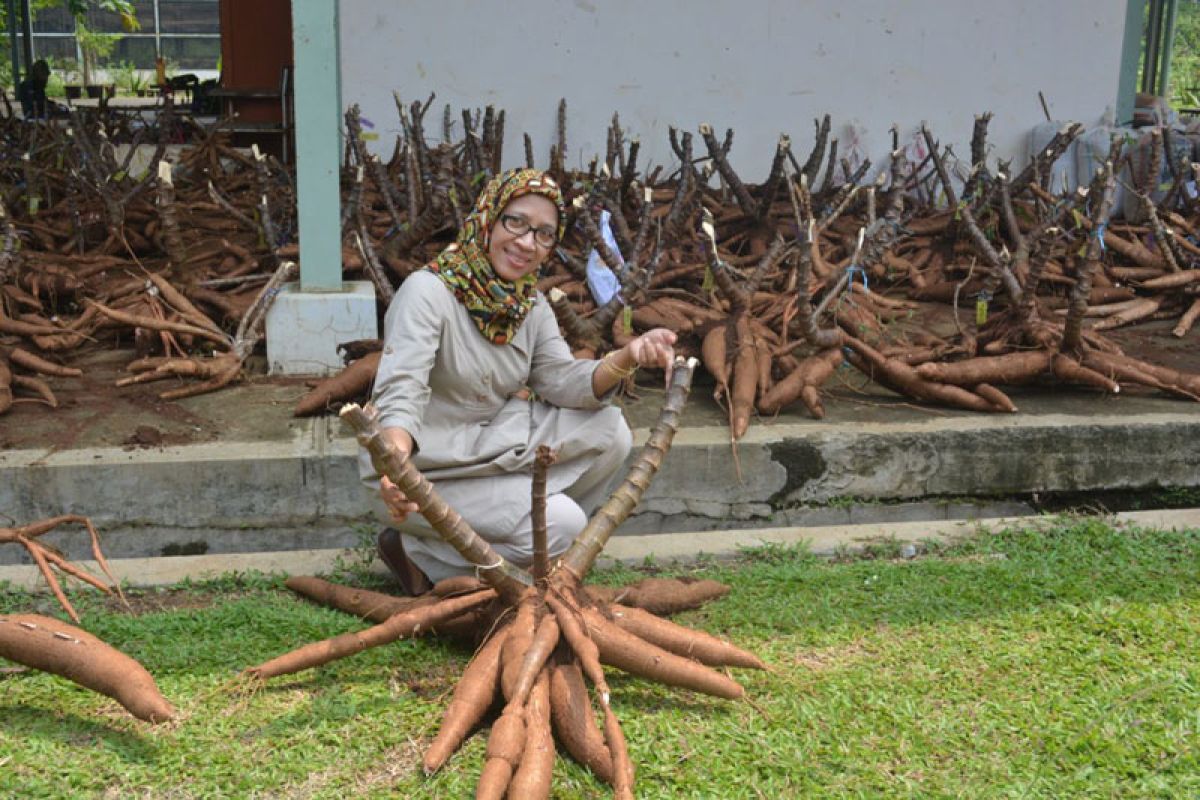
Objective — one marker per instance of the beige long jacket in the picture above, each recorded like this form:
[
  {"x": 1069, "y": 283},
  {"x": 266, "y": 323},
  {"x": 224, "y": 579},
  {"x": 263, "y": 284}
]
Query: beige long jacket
[{"x": 453, "y": 391}]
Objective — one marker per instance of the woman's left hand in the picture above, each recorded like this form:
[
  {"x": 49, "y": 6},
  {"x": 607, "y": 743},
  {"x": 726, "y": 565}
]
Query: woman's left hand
[{"x": 654, "y": 348}]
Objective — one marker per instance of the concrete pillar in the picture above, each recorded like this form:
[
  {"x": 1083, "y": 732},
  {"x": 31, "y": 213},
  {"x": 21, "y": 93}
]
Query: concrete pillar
[
  {"x": 11, "y": 9},
  {"x": 1130, "y": 55},
  {"x": 307, "y": 320},
  {"x": 26, "y": 34},
  {"x": 1167, "y": 45}
]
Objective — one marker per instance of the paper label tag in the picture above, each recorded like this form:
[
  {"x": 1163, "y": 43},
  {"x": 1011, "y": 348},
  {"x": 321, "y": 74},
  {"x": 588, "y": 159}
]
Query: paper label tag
[{"x": 981, "y": 311}]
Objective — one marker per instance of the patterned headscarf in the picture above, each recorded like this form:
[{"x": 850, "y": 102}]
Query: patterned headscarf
[{"x": 496, "y": 306}]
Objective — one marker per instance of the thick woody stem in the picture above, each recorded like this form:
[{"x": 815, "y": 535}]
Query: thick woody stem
[
  {"x": 508, "y": 580},
  {"x": 893, "y": 206},
  {"x": 541, "y": 556},
  {"x": 817, "y": 156},
  {"x": 417, "y": 117},
  {"x": 487, "y": 138},
  {"x": 1146, "y": 178},
  {"x": 1073, "y": 327},
  {"x": 620, "y": 228},
  {"x": 230, "y": 208},
  {"x": 841, "y": 200},
  {"x": 614, "y": 151},
  {"x": 717, "y": 152},
  {"x": 681, "y": 205},
  {"x": 771, "y": 186},
  {"x": 775, "y": 253},
  {"x": 583, "y": 552},
  {"x": 250, "y": 329},
  {"x": 1008, "y": 214},
  {"x": 827, "y": 183},
  {"x": 422, "y": 226},
  {"x": 375, "y": 270},
  {"x": 978, "y": 155},
  {"x": 8, "y": 251},
  {"x": 386, "y": 189},
  {"x": 1022, "y": 257},
  {"x": 629, "y": 168},
  {"x": 998, "y": 265},
  {"x": 562, "y": 131},
  {"x": 1040, "y": 164},
  {"x": 979, "y": 138},
  {"x": 471, "y": 144},
  {"x": 412, "y": 183},
  {"x": 940, "y": 167},
  {"x": 353, "y": 204},
  {"x": 269, "y": 232},
  {"x": 1020, "y": 246},
  {"x": 596, "y": 239},
  {"x": 447, "y": 124},
  {"x": 805, "y": 317},
  {"x": 168, "y": 212},
  {"x": 1162, "y": 234},
  {"x": 1180, "y": 170},
  {"x": 634, "y": 281}
]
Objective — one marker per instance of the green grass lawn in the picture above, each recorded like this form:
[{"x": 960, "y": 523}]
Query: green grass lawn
[{"x": 1061, "y": 663}]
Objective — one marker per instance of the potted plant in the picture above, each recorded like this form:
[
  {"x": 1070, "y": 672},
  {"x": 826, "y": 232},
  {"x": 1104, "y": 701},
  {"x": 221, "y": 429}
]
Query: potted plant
[
  {"x": 93, "y": 46},
  {"x": 71, "y": 80},
  {"x": 137, "y": 84}
]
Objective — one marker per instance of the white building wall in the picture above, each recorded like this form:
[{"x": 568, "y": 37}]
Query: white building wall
[{"x": 762, "y": 67}]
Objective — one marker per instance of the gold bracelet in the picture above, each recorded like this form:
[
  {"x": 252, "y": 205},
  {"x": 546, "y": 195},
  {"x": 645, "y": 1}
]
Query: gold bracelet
[{"x": 618, "y": 372}]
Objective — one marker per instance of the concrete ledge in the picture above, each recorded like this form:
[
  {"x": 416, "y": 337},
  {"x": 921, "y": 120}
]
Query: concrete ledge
[
  {"x": 303, "y": 491},
  {"x": 167, "y": 570},
  {"x": 827, "y": 540},
  {"x": 662, "y": 548},
  {"x": 784, "y": 466}
]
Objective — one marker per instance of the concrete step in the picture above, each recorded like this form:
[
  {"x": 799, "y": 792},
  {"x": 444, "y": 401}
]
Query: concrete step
[
  {"x": 297, "y": 488},
  {"x": 662, "y": 548}
]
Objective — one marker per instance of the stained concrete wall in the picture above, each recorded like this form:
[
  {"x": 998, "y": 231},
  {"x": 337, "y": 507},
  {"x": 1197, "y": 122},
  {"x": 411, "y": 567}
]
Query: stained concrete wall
[
  {"x": 305, "y": 493},
  {"x": 761, "y": 67}
]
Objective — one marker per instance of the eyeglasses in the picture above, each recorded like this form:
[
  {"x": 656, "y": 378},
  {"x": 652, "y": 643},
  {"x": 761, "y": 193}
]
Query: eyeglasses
[{"x": 546, "y": 236}]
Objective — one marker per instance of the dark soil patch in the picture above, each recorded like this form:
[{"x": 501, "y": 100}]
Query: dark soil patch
[
  {"x": 94, "y": 412},
  {"x": 153, "y": 601}
]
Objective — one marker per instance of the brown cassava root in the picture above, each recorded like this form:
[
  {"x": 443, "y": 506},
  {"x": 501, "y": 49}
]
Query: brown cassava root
[
  {"x": 47, "y": 558},
  {"x": 537, "y": 659},
  {"x": 61, "y": 649}
]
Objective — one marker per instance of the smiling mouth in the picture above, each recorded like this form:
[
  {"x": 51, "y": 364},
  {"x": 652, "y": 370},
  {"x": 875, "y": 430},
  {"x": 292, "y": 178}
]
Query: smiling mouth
[{"x": 518, "y": 261}]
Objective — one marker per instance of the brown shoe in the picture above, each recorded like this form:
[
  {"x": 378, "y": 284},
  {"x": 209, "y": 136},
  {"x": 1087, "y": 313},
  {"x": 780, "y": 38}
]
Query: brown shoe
[{"x": 412, "y": 580}]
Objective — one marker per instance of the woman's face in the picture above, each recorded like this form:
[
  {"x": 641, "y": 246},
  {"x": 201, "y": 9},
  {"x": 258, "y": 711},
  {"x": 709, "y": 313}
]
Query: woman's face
[{"x": 513, "y": 257}]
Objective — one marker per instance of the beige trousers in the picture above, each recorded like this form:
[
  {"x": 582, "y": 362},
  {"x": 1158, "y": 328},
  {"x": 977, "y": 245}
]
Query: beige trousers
[{"x": 498, "y": 509}]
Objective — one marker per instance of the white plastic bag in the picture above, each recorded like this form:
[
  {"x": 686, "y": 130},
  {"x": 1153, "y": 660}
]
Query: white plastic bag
[{"x": 600, "y": 279}]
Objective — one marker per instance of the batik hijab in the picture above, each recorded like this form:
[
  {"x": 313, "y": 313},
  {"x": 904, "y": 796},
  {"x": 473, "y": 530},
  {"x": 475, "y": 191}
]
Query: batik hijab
[{"x": 496, "y": 306}]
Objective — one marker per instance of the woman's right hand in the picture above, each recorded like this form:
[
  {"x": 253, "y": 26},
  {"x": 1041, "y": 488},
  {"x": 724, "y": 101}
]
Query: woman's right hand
[{"x": 397, "y": 502}]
